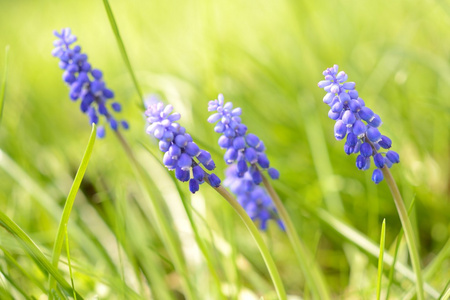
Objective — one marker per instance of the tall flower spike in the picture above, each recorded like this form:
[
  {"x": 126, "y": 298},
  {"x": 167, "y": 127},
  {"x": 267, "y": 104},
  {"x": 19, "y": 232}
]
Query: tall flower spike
[
  {"x": 245, "y": 155},
  {"x": 180, "y": 152},
  {"x": 85, "y": 82},
  {"x": 357, "y": 122}
]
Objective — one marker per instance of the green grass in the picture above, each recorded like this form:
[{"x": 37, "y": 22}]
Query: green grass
[{"x": 267, "y": 58}]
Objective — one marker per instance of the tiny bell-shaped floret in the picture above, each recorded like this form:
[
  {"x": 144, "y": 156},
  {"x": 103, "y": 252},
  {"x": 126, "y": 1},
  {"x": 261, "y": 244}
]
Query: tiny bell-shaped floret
[{"x": 377, "y": 176}]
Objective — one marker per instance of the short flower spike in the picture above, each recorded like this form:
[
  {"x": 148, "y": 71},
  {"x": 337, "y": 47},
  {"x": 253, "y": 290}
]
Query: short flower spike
[
  {"x": 357, "y": 122},
  {"x": 245, "y": 155},
  {"x": 86, "y": 83},
  {"x": 180, "y": 152}
]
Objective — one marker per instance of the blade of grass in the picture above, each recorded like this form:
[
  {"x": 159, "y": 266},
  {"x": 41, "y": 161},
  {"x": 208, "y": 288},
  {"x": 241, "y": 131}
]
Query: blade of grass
[
  {"x": 14, "y": 284},
  {"x": 197, "y": 236},
  {"x": 3, "y": 86},
  {"x": 68, "y": 262},
  {"x": 30, "y": 247},
  {"x": 408, "y": 230},
  {"x": 397, "y": 246},
  {"x": 380, "y": 258},
  {"x": 11, "y": 261},
  {"x": 159, "y": 219},
  {"x": 69, "y": 204},
  {"x": 123, "y": 51},
  {"x": 446, "y": 292},
  {"x": 312, "y": 272},
  {"x": 353, "y": 236}
]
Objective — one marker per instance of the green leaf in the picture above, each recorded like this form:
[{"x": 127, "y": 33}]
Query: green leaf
[
  {"x": 69, "y": 203},
  {"x": 31, "y": 248},
  {"x": 122, "y": 49}
]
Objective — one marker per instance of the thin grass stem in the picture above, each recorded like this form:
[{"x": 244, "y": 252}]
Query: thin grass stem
[
  {"x": 160, "y": 221},
  {"x": 59, "y": 240},
  {"x": 312, "y": 274},
  {"x": 276, "y": 279},
  {"x": 380, "y": 258},
  {"x": 408, "y": 230}
]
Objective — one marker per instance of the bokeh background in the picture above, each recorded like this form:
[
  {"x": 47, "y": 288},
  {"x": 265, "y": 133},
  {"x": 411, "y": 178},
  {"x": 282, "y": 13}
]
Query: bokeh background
[{"x": 266, "y": 57}]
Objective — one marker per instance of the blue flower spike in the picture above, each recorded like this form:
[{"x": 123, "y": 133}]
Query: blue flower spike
[
  {"x": 181, "y": 154},
  {"x": 244, "y": 152},
  {"x": 86, "y": 83},
  {"x": 357, "y": 122}
]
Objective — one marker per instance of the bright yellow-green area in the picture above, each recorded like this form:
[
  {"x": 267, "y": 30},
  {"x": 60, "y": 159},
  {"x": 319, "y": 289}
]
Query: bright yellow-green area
[{"x": 266, "y": 57}]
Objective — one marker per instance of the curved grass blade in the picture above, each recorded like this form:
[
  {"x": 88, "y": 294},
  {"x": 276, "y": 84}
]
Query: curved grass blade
[
  {"x": 397, "y": 246},
  {"x": 198, "y": 239},
  {"x": 3, "y": 86},
  {"x": 69, "y": 204},
  {"x": 380, "y": 258},
  {"x": 14, "y": 284},
  {"x": 30, "y": 247},
  {"x": 123, "y": 51},
  {"x": 13, "y": 262},
  {"x": 446, "y": 292},
  {"x": 68, "y": 262}
]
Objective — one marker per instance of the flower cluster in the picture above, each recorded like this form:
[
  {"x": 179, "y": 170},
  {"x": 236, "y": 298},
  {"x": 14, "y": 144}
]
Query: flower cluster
[
  {"x": 251, "y": 197},
  {"x": 357, "y": 122},
  {"x": 180, "y": 152},
  {"x": 85, "y": 82},
  {"x": 245, "y": 153}
]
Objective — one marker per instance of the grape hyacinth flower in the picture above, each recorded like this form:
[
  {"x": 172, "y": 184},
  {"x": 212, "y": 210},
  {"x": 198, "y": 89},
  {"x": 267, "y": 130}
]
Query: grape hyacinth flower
[
  {"x": 252, "y": 197},
  {"x": 358, "y": 123},
  {"x": 85, "y": 82},
  {"x": 180, "y": 152},
  {"x": 245, "y": 153}
]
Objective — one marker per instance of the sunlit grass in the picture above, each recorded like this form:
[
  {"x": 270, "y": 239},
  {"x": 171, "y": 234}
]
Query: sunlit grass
[{"x": 267, "y": 58}]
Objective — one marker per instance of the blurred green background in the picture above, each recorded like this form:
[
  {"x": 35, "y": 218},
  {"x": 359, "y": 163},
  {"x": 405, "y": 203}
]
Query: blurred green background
[{"x": 266, "y": 57}]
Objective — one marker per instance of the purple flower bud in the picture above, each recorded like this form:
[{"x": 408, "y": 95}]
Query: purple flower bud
[
  {"x": 230, "y": 155},
  {"x": 340, "y": 130},
  {"x": 273, "y": 173},
  {"x": 251, "y": 156},
  {"x": 185, "y": 162},
  {"x": 174, "y": 151},
  {"x": 225, "y": 142},
  {"x": 348, "y": 118},
  {"x": 193, "y": 186},
  {"x": 373, "y": 134},
  {"x": 198, "y": 172},
  {"x": 182, "y": 175},
  {"x": 366, "y": 114},
  {"x": 378, "y": 159},
  {"x": 252, "y": 140},
  {"x": 181, "y": 141},
  {"x": 393, "y": 156},
  {"x": 360, "y": 162},
  {"x": 354, "y": 106},
  {"x": 351, "y": 139},
  {"x": 385, "y": 142},
  {"x": 239, "y": 143},
  {"x": 366, "y": 150},
  {"x": 214, "y": 180},
  {"x": 263, "y": 161},
  {"x": 192, "y": 149},
  {"x": 377, "y": 176},
  {"x": 375, "y": 122},
  {"x": 359, "y": 129}
]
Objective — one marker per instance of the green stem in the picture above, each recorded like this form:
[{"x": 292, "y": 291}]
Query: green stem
[
  {"x": 311, "y": 271},
  {"x": 167, "y": 235},
  {"x": 59, "y": 240},
  {"x": 407, "y": 227},
  {"x": 276, "y": 279}
]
